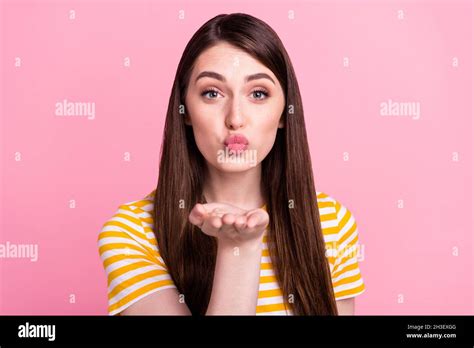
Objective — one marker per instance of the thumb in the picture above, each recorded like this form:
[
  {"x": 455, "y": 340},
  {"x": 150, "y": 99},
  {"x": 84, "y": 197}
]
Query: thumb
[{"x": 197, "y": 215}]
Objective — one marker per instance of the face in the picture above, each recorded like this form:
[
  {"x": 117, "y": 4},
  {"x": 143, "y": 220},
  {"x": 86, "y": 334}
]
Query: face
[{"x": 234, "y": 105}]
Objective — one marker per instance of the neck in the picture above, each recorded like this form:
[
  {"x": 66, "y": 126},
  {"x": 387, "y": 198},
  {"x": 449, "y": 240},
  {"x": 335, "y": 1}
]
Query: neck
[{"x": 242, "y": 189}]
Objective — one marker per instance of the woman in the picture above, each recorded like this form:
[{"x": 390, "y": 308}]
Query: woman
[{"x": 235, "y": 225}]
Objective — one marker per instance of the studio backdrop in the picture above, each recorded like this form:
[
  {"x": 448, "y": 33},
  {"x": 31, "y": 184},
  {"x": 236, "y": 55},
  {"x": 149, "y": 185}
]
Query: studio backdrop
[{"x": 387, "y": 95}]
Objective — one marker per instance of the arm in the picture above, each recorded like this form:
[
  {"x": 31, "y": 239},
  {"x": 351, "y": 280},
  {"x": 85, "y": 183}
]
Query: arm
[
  {"x": 346, "y": 306},
  {"x": 234, "y": 291},
  {"x": 236, "y": 280},
  {"x": 164, "y": 302},
  {"x": 237, "y": 271}
]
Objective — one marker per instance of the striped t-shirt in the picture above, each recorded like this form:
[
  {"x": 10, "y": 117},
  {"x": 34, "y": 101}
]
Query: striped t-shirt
[{"x": 134, "y": 268}]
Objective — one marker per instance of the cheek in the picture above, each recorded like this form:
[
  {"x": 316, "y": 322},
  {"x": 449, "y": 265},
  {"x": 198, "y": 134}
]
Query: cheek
[
  {"x": 205, "y": 130},
  {"x": 204, "y": 116},
  {"x": 270, "y": 116},
  {"x": 264, "y": 125},
  {"x": 199, "y": 117},
  {"x": 266, "y": 134}
]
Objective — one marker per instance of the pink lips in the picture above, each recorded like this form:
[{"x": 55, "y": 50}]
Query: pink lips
[{"x": 236, "y": 142}]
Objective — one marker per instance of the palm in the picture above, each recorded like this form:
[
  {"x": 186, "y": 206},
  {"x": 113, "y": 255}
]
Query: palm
[{"x": 226, "y": 221}]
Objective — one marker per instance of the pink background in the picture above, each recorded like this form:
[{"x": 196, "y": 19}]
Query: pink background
[{"x": 408, "y": 251}]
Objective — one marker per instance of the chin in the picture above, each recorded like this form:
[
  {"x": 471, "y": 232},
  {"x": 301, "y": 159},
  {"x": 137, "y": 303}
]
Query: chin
[{"x": 234, "y": 167}]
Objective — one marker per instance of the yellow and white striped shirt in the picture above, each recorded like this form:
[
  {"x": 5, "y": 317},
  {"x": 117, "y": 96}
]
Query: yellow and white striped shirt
[{"x": 135, "y": 269}]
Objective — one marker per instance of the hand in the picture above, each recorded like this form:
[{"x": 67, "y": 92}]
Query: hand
[{"x": 229, "y": 223}]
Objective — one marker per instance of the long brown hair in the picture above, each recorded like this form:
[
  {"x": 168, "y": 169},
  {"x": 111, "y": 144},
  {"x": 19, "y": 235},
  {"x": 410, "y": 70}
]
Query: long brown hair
[{"x": 295, "y": 240}]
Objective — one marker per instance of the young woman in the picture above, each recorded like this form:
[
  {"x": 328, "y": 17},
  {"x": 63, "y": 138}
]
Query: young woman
[{"x": 235, "y": 225}]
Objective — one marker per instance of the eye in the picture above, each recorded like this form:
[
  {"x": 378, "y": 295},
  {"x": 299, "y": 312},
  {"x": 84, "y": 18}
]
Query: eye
[
  {"x": 260, "y": 94},
  {"x": 210, "y": 93}
]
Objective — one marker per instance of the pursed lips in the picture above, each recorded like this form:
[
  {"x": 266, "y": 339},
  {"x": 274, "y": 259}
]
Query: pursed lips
[{"x": 236, "y": 142}]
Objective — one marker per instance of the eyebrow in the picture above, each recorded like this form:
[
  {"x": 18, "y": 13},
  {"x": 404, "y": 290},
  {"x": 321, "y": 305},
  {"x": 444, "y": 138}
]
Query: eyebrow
[{"x": 219, "y": 77}]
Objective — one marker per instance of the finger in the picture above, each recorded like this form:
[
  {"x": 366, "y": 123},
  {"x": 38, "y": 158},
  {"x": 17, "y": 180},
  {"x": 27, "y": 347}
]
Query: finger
[
  {"x": 225, "y": 208},
  {"x": 264, "y": 221},
  {"x": 259, "y": 219},
  {"x": 197, "y": 215},
  {"x": 240, "y": 222},
  {"x": 215, "y": 222},
  {"x": 253, "y": 220},
  {"x": 228, "y": 219},
  {"x": 217, "y": 212},
  {"x": 212, "y": 225},
  {"x": 228, "y": 228}
]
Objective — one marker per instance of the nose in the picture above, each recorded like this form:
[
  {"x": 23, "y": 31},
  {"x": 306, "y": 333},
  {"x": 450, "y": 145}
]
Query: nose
[{"x": 234, "y": 119}]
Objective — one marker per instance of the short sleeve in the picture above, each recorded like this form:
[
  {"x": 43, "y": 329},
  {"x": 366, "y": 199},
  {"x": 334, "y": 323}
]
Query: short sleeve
[
  {"x": 131, "y": 260},
  {"x": 346, "y": 276}
]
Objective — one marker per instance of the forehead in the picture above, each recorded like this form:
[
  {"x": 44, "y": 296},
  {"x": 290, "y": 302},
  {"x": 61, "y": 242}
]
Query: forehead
[{"x": 228, "y": 59}]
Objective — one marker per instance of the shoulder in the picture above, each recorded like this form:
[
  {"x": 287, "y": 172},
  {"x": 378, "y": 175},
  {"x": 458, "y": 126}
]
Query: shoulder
[
  {"x": 142, "y": 206},
  {"x": 342, "y": 247},
  {"x": 336, "y": 218},
  {"x": 130, "y": 255},
  {"x": 141, "y": 209},
  {"x": 133, "y": 219},
  {"x": 326, "y": 201}
]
